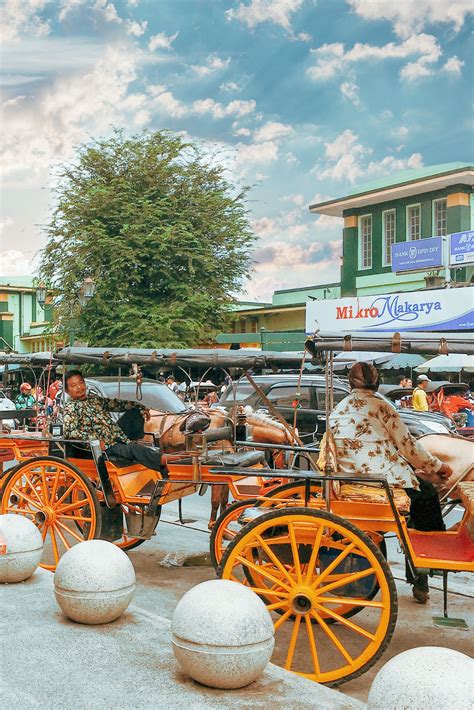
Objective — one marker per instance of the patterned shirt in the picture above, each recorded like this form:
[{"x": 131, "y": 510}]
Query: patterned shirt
[
  {"x": 371, "y": 440},
  {"x": 89, "y": 418}
]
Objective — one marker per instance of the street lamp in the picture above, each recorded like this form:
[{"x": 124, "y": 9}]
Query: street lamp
[
  {"x": 84, "y": 295},
  {"x": 262, "y": 338}
]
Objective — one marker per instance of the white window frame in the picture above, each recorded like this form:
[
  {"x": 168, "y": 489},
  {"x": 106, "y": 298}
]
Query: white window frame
[
  {"x": 385, "y": 260},
  {"x": 408, "y": 234},
  {"x": 363, "y": 267},
  {"x": 435, "y": 226}
]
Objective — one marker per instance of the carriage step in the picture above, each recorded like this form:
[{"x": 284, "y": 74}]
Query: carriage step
[{"x": 447, "y": 622}]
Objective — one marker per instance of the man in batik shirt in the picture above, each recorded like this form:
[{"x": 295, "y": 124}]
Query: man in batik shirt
[
  {"x": 87, "y": 416},
  {"x": 371, "y": 440}
]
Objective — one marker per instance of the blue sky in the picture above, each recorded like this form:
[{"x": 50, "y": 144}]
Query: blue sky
[{"x": 303, "y": 99}]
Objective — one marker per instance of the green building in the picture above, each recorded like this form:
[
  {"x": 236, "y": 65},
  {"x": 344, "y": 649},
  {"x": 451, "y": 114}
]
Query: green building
[
  {"x": 409, "y": 205},
  {"x": 22, "y": 320}
]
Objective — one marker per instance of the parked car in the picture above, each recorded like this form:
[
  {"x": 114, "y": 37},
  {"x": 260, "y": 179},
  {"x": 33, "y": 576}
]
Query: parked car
[
  {"x": 152, "y": 394},
  {"x": 280, "y": 389}
]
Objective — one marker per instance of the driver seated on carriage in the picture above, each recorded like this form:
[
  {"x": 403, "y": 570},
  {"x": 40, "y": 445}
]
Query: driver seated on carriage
[
  {"x": 370, "y": 439},
  {"x": 87, "y": 416}
]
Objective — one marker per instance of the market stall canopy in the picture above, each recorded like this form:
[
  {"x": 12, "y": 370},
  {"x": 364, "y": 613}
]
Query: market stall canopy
[
  {"x": 155, "y": 359},
  {"x": 403, "y": 360},
  {"x": 448, "y": 363},
  {"x": 420, "y": 343},
  {"x": 29, "y": 359}
]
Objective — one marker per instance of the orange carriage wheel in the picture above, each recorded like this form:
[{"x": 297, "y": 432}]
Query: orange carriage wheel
[
  {"x": 226, "y": 528},
  {"x": 281, "y": 556},
  {"x": 58, "y": 498}
]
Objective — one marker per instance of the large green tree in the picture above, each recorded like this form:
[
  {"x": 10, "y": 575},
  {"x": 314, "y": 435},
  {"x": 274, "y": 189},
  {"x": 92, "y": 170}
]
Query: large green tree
[{"x": 161, "y": 231}]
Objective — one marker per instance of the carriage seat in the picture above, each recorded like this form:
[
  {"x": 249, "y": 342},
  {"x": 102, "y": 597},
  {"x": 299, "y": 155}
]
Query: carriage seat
[
  {"x": 236, "y": 458},
  {"x": 366, "y": 493}
]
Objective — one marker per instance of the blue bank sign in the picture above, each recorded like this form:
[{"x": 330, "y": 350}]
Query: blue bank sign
[
  {"x": 461, "y": 248},
  {"x": 418, "y": 255}
]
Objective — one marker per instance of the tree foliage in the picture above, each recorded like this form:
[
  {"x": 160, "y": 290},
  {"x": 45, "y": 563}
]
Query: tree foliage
[{"x": 161, "y": 231}]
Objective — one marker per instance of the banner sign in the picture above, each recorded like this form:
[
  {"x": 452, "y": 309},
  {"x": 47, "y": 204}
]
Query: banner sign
[
  {"x": 440, "y": 309},
  {"x": 418, "y": 255},
  {"x": 461, "y": 249}
]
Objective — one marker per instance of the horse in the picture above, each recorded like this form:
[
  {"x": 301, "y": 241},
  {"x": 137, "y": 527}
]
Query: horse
[
  {"x": 456, "y": 451},
  {"x": 261, "y": 428}
]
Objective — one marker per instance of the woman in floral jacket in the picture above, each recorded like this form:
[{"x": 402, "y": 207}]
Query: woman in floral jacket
[{"x": 371, "y": 440}]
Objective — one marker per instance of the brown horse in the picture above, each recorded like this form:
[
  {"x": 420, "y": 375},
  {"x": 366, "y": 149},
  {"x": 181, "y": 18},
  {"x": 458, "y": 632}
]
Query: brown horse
[
  {"x": 456, "y": 451},
  {"x": 167, "y": 428}
]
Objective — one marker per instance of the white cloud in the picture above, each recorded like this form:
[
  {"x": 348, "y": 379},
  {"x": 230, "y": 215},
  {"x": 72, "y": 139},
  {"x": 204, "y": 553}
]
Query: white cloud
[
  {"x": 256, "y": 153},
  {"x": 278, "y": 12},
  {"x": 408, "y": 16},
  {"x": 400, "y": 133},
  {"x": 295, "y": 199},
  {"x": 14, "y": 263},
  {"x": 272, "y": 131},
  {"x": 7, "y": 222},
  {"x": 214, "y": 63},
  {"x": 291, "y": 159},
  {"x": 136, "y": 29},
  {"x": 242, "y": 132},
  {"x": 165, "y": 101},
  {"x": 454, "y": 65},
  {"x": 231, "y": 86},
  {"x": 47, "y": 128},
  {"x": 333, "y": 59},
  {"x": 10, "y": 103},
  {"x": 67, "y": 6},
  {"x": 141, "y": 118},
  {"x": 161, "y": 41},
  {"x": 107, "y": 10},
  {"x": 347, "y": 159},
  {"x": 218, "y": 110},
  {"x": 350, "y": 91},
  {"x": 22, "y": 17}
]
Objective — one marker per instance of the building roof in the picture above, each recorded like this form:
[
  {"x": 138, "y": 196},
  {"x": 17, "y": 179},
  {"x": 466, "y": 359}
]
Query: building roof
[{"x": 397, "y": 185}]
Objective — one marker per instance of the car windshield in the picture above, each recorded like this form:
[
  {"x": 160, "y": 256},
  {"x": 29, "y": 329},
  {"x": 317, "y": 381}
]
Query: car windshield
[
  {"x": 237, "y": 393},
  {"x": 154, "y": 394}
]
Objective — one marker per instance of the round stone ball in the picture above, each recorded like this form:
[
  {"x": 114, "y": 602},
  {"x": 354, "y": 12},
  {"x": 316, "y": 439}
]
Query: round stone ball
[
  {"x": 21, "y": 548},
  {"x": 94, "y": 582},
  {"x": 423, "y": 678},
  {"x": 222, "y": 634}
]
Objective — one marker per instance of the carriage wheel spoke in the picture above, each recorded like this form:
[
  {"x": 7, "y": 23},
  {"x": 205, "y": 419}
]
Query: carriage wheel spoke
[
  {"x": 72, "y": 506},
  {"x": 55, "y": 485},
  {"x": 346, "y": 551},
  {"x": 294, "y": 551},
  {"x": 55, "y": 544},
  {"x": 352, "y": 601},
  {"x": 71, "y": 532},
  {"x": 293, "y": 640},
  {"x": 282, "y": 619},
  {"x": 44, "y": 485},
  {"x": 27, "y": 498},
  {"x": 270, "y": 592},
  {"x": 314, "y": 555},
  {"x": 65, "y": 495},
  {"x": 64, "y": 541},
  {"x": 262, "y": 571},
  {"x": 282, "y": 604},
  {"x": 346, "y": 579},
  {"x": 328, "y": 631},
  {"x": 274, "y": 558},
  {"x": 347, "y": 622},
  {"x": 33, "y": 488},
  {"x": 312, "y": 645},
  {"x": 76, "y": 518}
]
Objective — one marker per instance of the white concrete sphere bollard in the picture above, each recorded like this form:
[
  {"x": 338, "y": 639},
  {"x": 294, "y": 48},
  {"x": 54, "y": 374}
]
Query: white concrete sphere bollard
[
  {"x": 21, "y": 548},
  {"x": 424, "y": 678},
  {"x": 94, "y": 582},
  {"x": 222, "y": 634}
]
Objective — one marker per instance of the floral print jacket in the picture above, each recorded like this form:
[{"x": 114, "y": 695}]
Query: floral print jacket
[
  {"x": 89, "y": 418},
  {"x": 371, "y": 440}
]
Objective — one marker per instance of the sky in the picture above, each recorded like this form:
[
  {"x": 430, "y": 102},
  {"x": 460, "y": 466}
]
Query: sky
[{"x": 301, "y": 99}]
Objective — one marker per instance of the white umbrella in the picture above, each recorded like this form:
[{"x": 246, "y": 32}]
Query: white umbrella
[
  {"x": 448, "y": 363},
  {"x": 347, "y": 359}
]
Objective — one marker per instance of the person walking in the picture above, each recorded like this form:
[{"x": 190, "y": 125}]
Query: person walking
[{"x": 419, "y": 397}]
